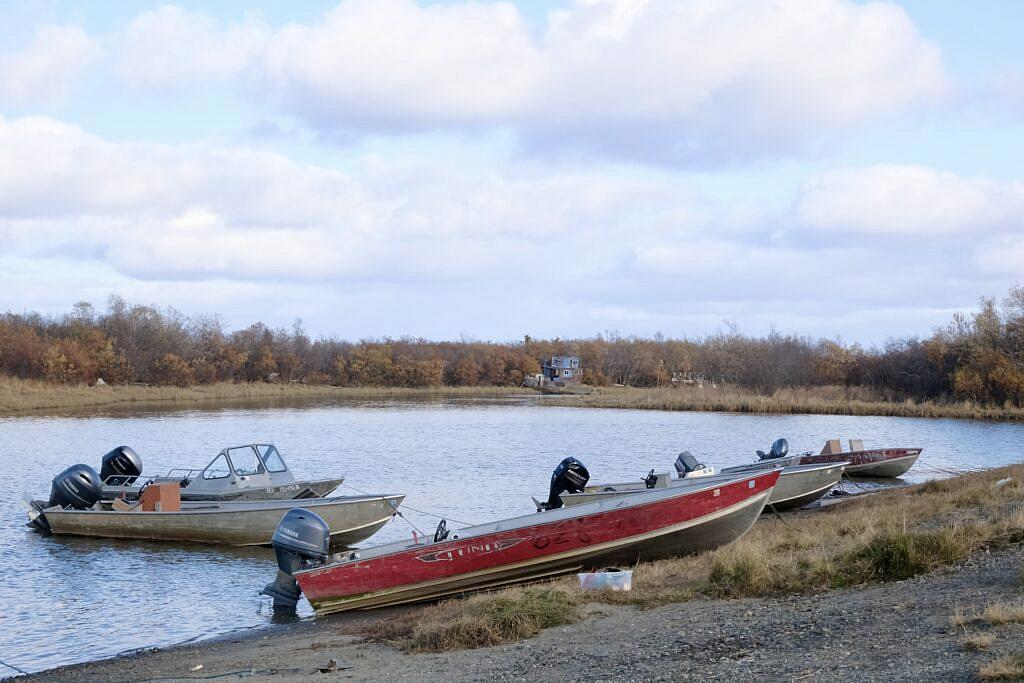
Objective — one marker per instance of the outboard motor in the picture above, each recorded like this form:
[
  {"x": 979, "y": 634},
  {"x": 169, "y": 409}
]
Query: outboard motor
[
  {"x": 120, "y": 461},
  {"x": 571, "y": 476},
  {"x": 301, "y": 541},
  {"x": 688, "y": 466},
  {"x": 779, "y": 449},
  {"x": 76, "y": 487}
]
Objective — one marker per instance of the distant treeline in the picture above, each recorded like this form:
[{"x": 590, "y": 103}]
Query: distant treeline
[{"x": 978, "y": 357}]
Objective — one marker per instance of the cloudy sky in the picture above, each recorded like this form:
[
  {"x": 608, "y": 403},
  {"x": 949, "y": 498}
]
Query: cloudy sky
[{"x": 489, "y": 169}]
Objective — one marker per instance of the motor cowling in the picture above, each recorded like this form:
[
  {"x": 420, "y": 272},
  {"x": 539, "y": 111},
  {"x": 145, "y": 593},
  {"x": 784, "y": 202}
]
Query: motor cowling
[
  {"x": 301, "y": 541},
  {"x": 688, "y": 466},
  {"x": 779, "y": 449},
  {"x": 120, "y": 467},
  {"x": 571, "y": 476},
  {"x": 77, "y": 487}
]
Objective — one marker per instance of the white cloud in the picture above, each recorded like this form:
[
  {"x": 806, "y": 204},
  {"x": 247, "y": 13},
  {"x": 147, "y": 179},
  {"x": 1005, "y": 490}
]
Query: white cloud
[
  {"x": 427, "y": 247},
  {"x": 661, "y": 80},
  {"x": 171, "y": 48},
  {"x": 199, "y": 210},
  {"x": 44, "y": 71},
  {"x": 909, "y": 200}
]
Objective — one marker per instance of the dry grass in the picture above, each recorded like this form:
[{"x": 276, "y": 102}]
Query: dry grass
[
  {"x": 977, "y": 641},
  {"x": 814, "y": 400},
  {"x": 480, "y": 621},
  {"x": 1008, "y": 668},
  {"x": 997, "y": 613},
  {"x": 21, "y": 396},
  {"x": 887, "y": 536}
]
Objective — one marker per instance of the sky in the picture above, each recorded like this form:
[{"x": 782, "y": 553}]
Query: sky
[{"x": 487, "y": 170}]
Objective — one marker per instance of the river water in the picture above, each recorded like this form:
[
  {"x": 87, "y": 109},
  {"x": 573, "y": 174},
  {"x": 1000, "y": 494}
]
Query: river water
[{"x": 66, "y": 600}]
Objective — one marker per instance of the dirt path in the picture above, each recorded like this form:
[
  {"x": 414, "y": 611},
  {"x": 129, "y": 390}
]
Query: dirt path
[{"x": 891, "y": 632}]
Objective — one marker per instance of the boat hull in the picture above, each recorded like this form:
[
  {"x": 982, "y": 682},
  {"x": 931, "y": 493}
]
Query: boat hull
[
  {"x": 797, "y": 486},
  {"x": 881, "y": 462},
  {"x": 647, "y": 526},
  {"x": 299, "y": 490},
  {"x": 351, "y": 520}
]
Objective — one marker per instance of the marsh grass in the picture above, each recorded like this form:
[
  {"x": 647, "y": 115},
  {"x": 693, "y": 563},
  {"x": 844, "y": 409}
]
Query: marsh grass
[
  {"x": 20, "y": 395},
  {"x": 823, "y": 400},
  {"x": 888, "y": 536}
]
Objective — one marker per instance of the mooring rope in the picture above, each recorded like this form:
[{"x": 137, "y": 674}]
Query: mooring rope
[
  {"x": 778, "y": 515},
  {"x": 11, "y": 666},
  {"x": 410, "y": 507}
]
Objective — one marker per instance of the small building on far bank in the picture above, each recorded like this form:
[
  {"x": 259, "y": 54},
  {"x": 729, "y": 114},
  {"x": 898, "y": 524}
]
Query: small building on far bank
[{"x": 563, "y": 370}]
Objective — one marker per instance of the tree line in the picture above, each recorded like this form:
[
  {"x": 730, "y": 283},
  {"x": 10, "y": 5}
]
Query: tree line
[{"x": 979, "y": 356}]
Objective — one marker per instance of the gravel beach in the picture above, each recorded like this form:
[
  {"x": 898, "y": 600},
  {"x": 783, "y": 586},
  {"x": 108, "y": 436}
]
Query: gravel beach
[{"x": 895, "y": 631}]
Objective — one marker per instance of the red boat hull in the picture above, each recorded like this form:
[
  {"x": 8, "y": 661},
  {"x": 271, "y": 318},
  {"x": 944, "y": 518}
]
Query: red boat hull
[
  {"x": 880, "y": 462},
  {"x": 620, "y": 532}
]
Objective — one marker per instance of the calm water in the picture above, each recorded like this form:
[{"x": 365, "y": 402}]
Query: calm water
[{"x": 71, "y": 600}]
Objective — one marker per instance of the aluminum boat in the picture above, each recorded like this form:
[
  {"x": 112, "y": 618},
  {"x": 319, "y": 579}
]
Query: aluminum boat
[
  {"x": 248, "y": 472},
  {"x": 862, "y": 462},
  {"x": 352, "y": 519},
  {"x": 798, "y": 485},
  {"x": 651, "y": 524}
]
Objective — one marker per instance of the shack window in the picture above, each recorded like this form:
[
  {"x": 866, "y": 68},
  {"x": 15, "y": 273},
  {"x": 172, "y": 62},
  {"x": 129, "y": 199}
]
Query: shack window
[
  {"x": 218, "y": 469},
  {"x": 567, "y": 373}
]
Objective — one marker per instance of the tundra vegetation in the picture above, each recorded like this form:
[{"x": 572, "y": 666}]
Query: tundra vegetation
[
  {"x": 974, "y": 366},
  {"x": 887, "y": 536}
]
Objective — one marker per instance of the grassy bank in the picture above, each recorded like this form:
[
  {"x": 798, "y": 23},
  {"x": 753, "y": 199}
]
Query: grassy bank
[
  {"x": 18, "y": 396},
  {"x": 887, "y": 536},
  {"x": 813, "y": 400},
  {"x": 22, "y": 396}
]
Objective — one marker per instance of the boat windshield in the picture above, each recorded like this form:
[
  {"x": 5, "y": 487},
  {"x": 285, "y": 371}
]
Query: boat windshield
[
  {"x": 271, "y": 458},
  {"x": 245, "y": 461},
  {"x": 218, "y": 469}
]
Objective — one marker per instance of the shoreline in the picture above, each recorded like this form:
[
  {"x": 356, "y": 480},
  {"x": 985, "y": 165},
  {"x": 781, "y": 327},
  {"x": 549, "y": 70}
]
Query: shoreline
[
  {"x": 28, "y": 397},
  {"x": 912, "y": 624},
  {"x": 780, "y": 603}
]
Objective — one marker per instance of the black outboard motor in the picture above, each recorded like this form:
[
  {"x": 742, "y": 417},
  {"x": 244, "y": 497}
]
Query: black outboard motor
[
  {"x": 571, "y": 476},
  {"x": 301, "y": 541},
  {"x": 76, "y": 487},
  {"x": 120, "y": 461},
  {"x": 779, "y": 449},
  {"x": 686, "y": 463}
]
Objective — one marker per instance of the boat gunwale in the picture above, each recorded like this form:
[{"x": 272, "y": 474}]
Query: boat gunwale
[{"x": 248, "y": 506}]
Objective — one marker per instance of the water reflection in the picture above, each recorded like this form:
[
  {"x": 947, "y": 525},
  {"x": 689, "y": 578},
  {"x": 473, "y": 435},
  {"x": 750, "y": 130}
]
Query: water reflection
[{"x": 72, "y": 599}]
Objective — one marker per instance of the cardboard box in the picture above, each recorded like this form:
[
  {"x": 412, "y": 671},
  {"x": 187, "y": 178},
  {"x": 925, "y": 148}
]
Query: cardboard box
[{"x": 162, "y": 497}]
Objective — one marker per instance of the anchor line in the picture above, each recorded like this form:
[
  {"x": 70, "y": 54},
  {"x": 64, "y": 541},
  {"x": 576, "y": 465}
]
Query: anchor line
[
  {"x": 11, "y": 666},
  {"x": 784, "y": 522},
  {"x": 410, "y": 507}
]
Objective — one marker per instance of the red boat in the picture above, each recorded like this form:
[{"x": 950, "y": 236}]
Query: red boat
[
  {"x": 861, "y": 462},
  {"x": 649, "y": 525}
]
